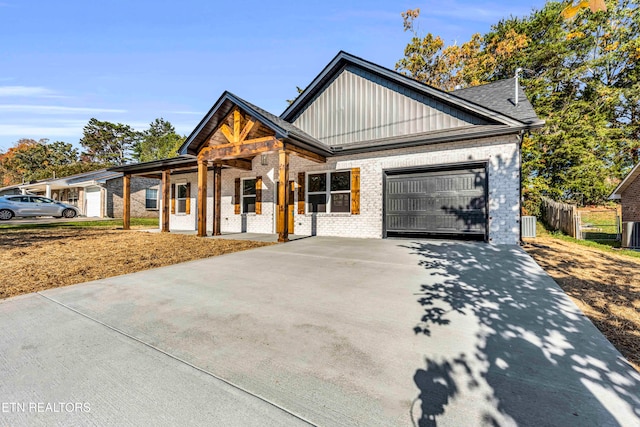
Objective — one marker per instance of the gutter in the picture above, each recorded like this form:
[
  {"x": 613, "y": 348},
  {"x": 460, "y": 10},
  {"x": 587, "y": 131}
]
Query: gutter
[{"x": 416, "y": 140}]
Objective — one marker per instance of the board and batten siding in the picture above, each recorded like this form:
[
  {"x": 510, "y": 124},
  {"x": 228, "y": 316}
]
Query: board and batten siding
[{"x": 360, "y": 106}]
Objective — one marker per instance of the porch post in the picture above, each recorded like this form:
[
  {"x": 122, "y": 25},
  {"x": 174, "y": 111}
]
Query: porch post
[
  {"x": 166, "y": 199},
  {"x": 126, "y": 202},
  {"x": 202, "y": 198},
  {"x": 217, "y": 199},
  {"x": 283, "y": 196}
]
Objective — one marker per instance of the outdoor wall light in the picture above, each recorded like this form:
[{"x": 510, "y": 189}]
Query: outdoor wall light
[{"x": 263, "y": 160}]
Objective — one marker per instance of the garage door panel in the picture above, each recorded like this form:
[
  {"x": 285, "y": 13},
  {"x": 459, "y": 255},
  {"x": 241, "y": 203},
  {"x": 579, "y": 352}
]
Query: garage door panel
[
  {"x": 449, "y": 201},
  {"x": 92, "y": 200}
]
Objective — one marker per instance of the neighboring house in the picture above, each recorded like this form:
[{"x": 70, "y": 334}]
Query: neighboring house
[
  {"x": 10, "y": 190},
  {"x": 97, "y": 193},
  {"x": 628, "y": 192},
  {"x": 362, "y": 152}
]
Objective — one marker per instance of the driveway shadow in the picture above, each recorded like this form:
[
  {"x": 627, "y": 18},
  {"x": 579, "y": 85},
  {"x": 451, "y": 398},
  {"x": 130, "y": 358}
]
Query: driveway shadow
[{"x": 535, "y": 358}]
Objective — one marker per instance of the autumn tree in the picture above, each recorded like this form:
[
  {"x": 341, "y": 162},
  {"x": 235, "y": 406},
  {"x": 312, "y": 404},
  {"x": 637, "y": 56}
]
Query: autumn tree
[
  {"x": 160, "y": 141},
  {"x": 107, "y": 143},
  {"x": 581, "y": 77},
  {"x": 30, "y": 160}
]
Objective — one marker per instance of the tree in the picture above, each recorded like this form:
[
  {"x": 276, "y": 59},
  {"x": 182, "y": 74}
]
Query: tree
[
  {"x": 107, "y": 143},
  {"x": 300, "y": 90},
  {"x": 62, "y": 154},
  {"x": 24, "y": 161},
  {"x": 160, "y": 141},
  {"x": 30, "y": 160},
  {"x": 581, "y": 77}
]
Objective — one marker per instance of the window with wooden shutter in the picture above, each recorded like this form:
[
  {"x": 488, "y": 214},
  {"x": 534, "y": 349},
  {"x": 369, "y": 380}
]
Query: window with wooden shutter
[
  {"x": 187, "y": 209},
  {"x": 236, "y": 198},
  {"x": 173, "y": 199},
  {"x": 258, "y": 195},
  {"x": 355, "y": 191},
  {"x": 301, "y": 184}
]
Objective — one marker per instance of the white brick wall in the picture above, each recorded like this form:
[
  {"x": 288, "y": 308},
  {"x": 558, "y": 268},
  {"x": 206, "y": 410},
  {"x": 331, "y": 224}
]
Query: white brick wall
[{"x": 501, "y": 153}]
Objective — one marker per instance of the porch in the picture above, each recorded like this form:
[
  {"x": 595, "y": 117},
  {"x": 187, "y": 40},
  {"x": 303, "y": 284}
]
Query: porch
[{"x": 234, "y": 136}]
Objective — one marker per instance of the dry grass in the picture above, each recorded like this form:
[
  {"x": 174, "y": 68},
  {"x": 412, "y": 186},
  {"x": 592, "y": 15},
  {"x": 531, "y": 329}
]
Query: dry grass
[
  {"x": 604, "y": 285},
  {"x": 34, "y": 260}
]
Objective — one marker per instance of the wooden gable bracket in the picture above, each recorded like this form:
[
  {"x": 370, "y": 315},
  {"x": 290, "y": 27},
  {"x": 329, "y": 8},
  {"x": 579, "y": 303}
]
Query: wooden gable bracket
[
  {"x": 240, "y": 150},
  {"x": 237, "y": 135}
]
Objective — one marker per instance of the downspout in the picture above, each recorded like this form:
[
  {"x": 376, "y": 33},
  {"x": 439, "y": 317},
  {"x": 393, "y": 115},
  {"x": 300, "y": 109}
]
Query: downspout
[{"x": 520, "y": 200}]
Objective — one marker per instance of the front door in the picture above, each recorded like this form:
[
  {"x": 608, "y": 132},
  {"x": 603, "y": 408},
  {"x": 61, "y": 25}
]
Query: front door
[{"x": 291, "y": 195}]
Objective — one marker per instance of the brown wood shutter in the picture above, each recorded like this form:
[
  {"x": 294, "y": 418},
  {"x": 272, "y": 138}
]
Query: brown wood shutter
[
  {"x": 355, "y": 191},
  {"x": 258, "y": 195},
  {"x": 236, "y": 198},
  {"x": 187, "y": 209},
  {"x": 173, "y": 199},
  {"x": 301, "y": 184}
]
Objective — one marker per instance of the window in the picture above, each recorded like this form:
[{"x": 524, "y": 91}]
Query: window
[
  {"x": 73, "y": 196},
  {"x": 151, "y": 199},
  {"x": 249, "y": 195},
  {"x": 41, "y": 200},
  {"x": 181, "y": 198},
  {"x": 329, "y": 192}
]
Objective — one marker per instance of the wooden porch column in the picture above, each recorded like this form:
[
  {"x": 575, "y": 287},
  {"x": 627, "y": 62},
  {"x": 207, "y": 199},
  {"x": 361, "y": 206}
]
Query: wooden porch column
[
  {"x": 217, "y": 199},
  {"x": 202, "y": 198},
  {"x": 166, "y": 200},
  {"x": 283, "y": 199},
  {"x": 126, "y": 202}
]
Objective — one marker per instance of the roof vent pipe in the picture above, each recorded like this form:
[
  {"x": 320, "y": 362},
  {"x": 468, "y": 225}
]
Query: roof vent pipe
[{"x": 518, "y": 71}]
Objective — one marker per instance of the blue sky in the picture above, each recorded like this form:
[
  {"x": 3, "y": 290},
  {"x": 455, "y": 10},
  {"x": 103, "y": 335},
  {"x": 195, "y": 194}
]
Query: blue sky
[{"x": 63, "y": 62}]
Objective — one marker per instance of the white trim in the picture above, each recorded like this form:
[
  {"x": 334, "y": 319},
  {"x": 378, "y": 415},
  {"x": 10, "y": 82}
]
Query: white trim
[{"x": 178, "y": 212}]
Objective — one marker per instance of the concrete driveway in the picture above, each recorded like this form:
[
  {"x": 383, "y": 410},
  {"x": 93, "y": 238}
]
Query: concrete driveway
[{"x": 320, "y": 331}]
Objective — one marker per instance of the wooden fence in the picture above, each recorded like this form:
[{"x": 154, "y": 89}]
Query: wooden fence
[{"x": 560, "y": 216}]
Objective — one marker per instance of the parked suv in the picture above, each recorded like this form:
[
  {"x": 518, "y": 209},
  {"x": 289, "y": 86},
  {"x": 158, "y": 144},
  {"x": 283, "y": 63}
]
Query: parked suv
[{"x": 27, "y": 205}]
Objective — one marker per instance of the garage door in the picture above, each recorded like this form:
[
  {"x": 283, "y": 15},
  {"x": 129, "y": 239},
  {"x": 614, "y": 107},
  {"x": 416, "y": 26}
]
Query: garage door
[
  {"x": 437, "y": 202},
  {"x": 93, "y": 201}
]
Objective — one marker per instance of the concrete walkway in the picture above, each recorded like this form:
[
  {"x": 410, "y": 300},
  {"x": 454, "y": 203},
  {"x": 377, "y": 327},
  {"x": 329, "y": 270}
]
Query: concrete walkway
[{"x": 323, "y": 331}]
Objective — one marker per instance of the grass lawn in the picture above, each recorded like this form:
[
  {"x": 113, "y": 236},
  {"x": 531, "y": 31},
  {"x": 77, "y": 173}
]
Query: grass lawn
[
  {"x": 602, "y": 281},
  {"x": 34, "y": 259},
  {"x": 135, "y": 223}
]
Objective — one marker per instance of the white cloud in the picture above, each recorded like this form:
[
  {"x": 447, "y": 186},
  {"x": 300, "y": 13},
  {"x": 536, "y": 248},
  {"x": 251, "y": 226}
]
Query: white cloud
[
  {"x": 55, "y": 109},
  {"x": 25, "y": 91},
  {"x": 27, "y": 131}
]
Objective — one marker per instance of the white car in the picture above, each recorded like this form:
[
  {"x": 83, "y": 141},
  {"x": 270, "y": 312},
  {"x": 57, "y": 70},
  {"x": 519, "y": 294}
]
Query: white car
[{"x": 27, "y": 205}]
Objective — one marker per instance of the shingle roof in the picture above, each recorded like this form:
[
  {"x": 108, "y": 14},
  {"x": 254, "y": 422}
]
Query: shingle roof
[{"x": 499, "y": 96}]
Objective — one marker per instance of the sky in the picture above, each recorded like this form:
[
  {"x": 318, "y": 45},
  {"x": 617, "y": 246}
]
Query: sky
[{"x": 64, "y": 62}]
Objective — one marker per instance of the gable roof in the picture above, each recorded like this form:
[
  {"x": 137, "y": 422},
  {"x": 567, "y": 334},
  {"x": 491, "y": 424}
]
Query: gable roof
[
  {"x": 225, "y": 104},
  {"x": 631, "y": 176},
  {"x": 343, "y": 59},
  {"x": 500, "y": 96}
]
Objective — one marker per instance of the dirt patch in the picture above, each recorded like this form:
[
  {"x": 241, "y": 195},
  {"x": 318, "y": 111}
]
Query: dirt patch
[
  {"x": 34, "y": 260},
  {"x": 605, "y": 286}
]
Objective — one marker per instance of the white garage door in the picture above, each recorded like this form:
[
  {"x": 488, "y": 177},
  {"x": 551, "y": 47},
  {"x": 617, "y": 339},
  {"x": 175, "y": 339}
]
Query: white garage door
[{"x": 93, "y": 201}]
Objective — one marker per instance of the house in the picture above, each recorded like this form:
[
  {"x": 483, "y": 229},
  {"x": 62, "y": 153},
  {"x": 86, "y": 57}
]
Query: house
[
  {"x": 96, "y": 193},
  {"x": 363, "y": 152},
  {"x": 628, "y": 192}
]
